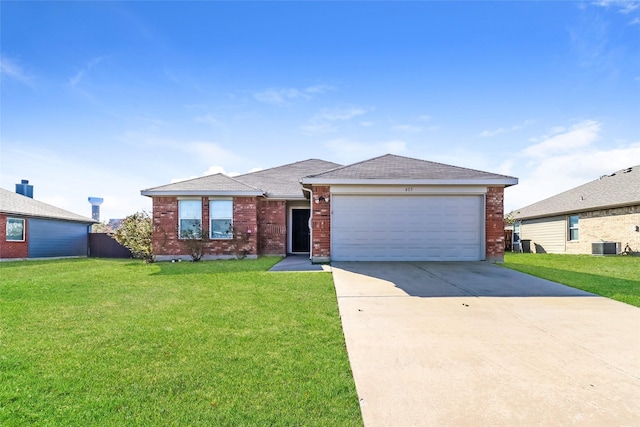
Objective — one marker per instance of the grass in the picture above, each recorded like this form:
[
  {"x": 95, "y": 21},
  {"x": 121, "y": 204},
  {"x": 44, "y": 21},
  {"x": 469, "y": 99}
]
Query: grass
[
  {"x": 616, "y": 277},
  {"x": 116, "y": 342}
]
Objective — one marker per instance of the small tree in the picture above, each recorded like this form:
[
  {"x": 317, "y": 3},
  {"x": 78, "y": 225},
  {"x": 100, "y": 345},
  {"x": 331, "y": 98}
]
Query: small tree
[
  {"x": 510, "y": 218},
  {"x": 136, "y": 234},
  {"x": 195, "y": 242}
]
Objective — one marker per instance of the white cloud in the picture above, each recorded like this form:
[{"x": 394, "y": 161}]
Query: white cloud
[
  {"x": 350, "y": 151},
  {"x": 623, "y": 6},
  {"x": 13, "y": 70},
  {"x": 324, "y": 121},
  {"x": 43, "y": 167},
  {"x": 318, "y": 126},
  {"x": 285, "y": 96},
  {"x": 341, "y": 113},
  {"x": 578, "y": 136},
  {"x": 563, "y": 161},
  {"x": 319, "y": 89},
  {"x": 279, "y": 97},
  {"x": 219, "y": 169},
  {"x": 80, "y": 74},
  {"x": 209, "y": 119},
  {"x": 499, "y": 131}
]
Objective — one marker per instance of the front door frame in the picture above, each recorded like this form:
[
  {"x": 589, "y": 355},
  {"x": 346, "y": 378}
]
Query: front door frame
[{"x": 290, "y": 229}]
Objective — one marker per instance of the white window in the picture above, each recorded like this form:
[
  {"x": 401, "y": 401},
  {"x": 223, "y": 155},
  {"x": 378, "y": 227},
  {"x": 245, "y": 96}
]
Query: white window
[
  {"x": 573, "y": 227},
  {"x": 190, "y": 213},
  {"x": 221, "y": 214},
  {"x": 15, "y": 229}
]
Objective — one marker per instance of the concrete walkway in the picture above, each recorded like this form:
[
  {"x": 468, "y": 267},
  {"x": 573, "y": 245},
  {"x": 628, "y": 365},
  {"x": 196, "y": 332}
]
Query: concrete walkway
[
  {"x": 474, "y": 344},
  {"x": 299, "y": 263}
]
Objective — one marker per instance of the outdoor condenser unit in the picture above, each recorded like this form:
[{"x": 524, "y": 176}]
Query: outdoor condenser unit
[{"x": 605, "y": 248}]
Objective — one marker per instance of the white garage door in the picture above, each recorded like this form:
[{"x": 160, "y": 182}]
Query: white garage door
[{"x": 407, "y": 228}]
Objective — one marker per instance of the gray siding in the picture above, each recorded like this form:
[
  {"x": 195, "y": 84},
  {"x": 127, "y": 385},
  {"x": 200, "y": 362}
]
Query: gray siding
[
  {"x": 547, "y": 235},
  {"x": 57, "y": 238}
]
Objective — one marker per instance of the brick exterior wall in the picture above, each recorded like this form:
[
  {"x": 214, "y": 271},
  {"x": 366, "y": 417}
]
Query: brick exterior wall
[
  {"x": 272, "y": 233},
  {"x": 167, "y": 245},
  {"x": 13, "y": 249},
  {"x": 612, "y": 225},
  {"x": 494, "y": 224},
  {"x": 321, "y": 225}
]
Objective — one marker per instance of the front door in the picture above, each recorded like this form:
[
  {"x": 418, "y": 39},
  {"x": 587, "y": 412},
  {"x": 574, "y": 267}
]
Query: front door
[{"x": 300, "y": 233}]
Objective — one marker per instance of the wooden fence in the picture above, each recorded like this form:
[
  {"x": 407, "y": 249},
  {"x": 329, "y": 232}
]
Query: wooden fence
[{"x": 102, "y": 245}]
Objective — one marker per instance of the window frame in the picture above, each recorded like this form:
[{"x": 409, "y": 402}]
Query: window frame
[
  {"x": 198, "y": 217},
  {"x": 573, "y": 228},
  {"x": 212, "y": 218},
  {"x": 24, "y": 234}
]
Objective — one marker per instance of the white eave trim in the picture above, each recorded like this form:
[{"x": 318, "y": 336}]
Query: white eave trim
[
  {"x": 175, "y": 193},
  {"x": 506, "y": 181}
]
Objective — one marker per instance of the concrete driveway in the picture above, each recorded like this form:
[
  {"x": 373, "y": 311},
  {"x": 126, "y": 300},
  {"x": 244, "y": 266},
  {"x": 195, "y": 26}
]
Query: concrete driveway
[{"x": 480, "y": 345}]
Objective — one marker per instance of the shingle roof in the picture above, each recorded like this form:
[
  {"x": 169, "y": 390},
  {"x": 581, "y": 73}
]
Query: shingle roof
[
  {"x": 621, "y": 188},
  {"x": 17, "y": 204},
  {"x": 217, "y": 184},
  {"x": 284, "y": 181},
  {"x": 393, "y": 167}
]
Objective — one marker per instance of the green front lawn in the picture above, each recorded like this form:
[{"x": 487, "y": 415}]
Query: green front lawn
[
  {"x": 118, "y": 342},
  {"x": 615, "y": 277}
]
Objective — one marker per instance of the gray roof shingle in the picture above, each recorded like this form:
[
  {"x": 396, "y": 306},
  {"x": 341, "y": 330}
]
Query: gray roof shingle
[
  {"x": 284, "y": 181},
  {"x": 394, "y": 167},
  {"x": 205, "y": 185},
  {"x": 17, "y": 204},
  {"x": 621, "y": 188},
  {"x": 278, "y": 182}
]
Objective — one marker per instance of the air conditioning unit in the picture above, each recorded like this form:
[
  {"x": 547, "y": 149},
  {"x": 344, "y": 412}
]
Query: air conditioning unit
[{"x": 605, "y": 248}]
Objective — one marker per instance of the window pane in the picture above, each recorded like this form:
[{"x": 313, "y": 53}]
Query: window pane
[
  {"x": 15, "y": 229},
  {"x": 573, "y": 234},
  {"x": 221, "y": 229},
  {"x": 221, "y": 209},
  {"x": 190, "y": 228},
  {"x": 190, "y": 209},
  {"x": 573, "y": 221},
  {"x": 573, "y": 227}
]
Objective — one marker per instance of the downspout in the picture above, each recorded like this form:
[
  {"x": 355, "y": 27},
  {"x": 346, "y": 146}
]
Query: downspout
[{"x": 310, "y": 221}]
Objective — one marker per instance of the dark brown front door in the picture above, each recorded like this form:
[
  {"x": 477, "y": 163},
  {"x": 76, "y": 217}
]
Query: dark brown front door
[{"x": 300, "y": 241}]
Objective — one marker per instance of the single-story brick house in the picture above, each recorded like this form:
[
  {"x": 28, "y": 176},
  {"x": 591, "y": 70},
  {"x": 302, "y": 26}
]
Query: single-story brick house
[
  {"x": 386, "y": 208},
  {"x": 33, "y": 229},
  {"x": 606, "y": 209}
]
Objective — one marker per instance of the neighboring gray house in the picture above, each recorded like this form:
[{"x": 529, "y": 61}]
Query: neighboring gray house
[
  {"x": 604, "y": 210},
  {"x": 33, "y": 229}
]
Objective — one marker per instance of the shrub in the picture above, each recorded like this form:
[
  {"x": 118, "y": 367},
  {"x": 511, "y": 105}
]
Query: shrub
[{"x": 135, "y": 233}]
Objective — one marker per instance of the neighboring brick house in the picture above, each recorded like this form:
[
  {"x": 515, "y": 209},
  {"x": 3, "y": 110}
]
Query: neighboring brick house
[
  {"x": 604, "y": 210},
  {"x": 387, "y": 208},
  {"x": 33, "y": 229}
]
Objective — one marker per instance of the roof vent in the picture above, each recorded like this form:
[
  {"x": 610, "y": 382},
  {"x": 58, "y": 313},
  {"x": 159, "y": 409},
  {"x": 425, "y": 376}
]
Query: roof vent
[{"x": 24, "y": 188}]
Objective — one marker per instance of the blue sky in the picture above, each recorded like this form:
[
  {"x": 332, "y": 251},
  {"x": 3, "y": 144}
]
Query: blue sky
[{"x": 108, "y": 98}]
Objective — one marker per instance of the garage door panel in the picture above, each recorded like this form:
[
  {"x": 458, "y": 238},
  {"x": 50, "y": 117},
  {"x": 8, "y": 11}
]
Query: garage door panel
[{"x": 410, "y": 228}]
